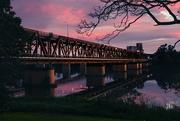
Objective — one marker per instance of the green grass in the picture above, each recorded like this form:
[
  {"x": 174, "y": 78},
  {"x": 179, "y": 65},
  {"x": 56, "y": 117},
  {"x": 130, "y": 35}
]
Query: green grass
[
  {"x": 102, "y": 108},
  {"x": 52, "y": 117},
  {"x": 75, "y": 109}
]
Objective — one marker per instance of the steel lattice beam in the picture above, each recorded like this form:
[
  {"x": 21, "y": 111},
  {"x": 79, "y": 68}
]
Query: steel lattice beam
[{"x": 48, "y": 44}]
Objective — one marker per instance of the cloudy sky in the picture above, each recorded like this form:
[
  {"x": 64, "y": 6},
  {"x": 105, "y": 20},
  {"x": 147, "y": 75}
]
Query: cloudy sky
[{"x": 54, "y": 15}]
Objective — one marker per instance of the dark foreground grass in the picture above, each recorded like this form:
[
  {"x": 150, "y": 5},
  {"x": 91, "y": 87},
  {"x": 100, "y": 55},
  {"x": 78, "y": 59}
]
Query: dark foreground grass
[
  {"x": 52, "y": 117},
  {"x": 87, "y": 109}
]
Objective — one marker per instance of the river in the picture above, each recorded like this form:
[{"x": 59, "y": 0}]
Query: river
[{"x": 159, "y": 88}]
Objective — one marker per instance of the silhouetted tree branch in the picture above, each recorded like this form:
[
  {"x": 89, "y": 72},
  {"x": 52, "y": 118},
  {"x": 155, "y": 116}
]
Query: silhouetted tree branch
[
  {"x": 113, "y": 9},
  {"x": 176, "y": 43}
]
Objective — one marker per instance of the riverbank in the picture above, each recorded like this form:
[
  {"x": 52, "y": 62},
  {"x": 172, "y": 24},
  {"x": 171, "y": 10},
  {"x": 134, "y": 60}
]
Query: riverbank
[
  {"x": 52, "y": 117},
  {"x": 81, "y": 109}
]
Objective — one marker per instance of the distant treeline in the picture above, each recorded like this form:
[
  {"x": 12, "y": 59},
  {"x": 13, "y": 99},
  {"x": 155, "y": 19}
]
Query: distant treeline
[{"x": 166, "y": 55}]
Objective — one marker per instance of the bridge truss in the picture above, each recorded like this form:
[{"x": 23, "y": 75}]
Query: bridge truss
[{"x": 51, "y": 45}]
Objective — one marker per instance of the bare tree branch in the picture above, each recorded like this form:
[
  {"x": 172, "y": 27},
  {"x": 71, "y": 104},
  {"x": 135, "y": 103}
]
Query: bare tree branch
[
  {"x": 124, "y": 9},
  {"x": 176, "y": 43},
  {"x": 118, "y": 31}
]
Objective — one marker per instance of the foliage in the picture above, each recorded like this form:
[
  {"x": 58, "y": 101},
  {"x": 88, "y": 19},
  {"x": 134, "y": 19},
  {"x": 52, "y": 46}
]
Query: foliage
[
  {"x": 167, "y": 77},
  {"x": 122, "y": 94},
  {"x": 93, "y": 108},
  {"x": 123, "y": 10},
  {"x": 11, "y": 43},
  {"x": 166, "y": 55},
  {"x": 176, "y": 81}
]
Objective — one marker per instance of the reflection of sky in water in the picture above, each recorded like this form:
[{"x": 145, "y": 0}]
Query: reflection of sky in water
[
  {"x": 59, "y": 76},
  {"x": 159, "y": 96},
  {"x": 74, "y": 75},
  {"x": 19, "y": 94},
  {"x": 108, "y": 80},
  {"x": 152, "y": 93},
  {"x": 70, "y": 87},
  {"x": 74, "y": 86}
]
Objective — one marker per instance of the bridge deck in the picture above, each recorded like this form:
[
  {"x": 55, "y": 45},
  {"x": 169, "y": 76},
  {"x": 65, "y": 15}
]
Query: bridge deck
[{"x": 60, "y": 60}]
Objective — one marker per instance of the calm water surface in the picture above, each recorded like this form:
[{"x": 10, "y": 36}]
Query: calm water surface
[{"x": 158, "y": 89}]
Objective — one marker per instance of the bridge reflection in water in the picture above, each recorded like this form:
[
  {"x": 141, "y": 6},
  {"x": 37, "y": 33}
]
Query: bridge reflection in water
[
  {"x": 77, "y": 85},
  {"x": 81, "y": 83}
]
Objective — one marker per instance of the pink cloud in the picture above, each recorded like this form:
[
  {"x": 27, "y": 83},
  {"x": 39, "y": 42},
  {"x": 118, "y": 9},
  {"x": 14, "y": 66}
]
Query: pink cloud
[
  {"x": 174, "y": 34},
  {"x": 50, "y": 16},
  {"x": 62, "y": 13}
]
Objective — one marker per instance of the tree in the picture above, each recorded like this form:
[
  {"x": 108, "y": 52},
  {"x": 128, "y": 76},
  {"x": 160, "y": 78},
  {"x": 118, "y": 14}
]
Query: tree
[
  {"x": 166, "y": 55},
  {"x": 113, "y": 9},
  {"x": 11, "y": 42}
]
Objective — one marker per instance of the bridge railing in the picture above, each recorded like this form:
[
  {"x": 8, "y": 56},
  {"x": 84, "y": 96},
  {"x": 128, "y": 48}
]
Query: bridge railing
[
  {"x": 62, "y": 56},
  {"x": 43, "y": 33}
]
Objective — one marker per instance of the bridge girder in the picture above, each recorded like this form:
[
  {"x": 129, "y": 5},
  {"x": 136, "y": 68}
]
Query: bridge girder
[{"x": 49, "y": 44}]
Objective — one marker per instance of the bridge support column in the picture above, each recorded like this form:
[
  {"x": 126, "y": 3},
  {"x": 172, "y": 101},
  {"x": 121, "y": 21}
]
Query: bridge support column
[
  {"x": 119, "y": 75},
  {"x": 133, "y": 66},
  {"x": 40, "y": 75},
  {"x": 133, "y": 72},
  {"x": 119, "y": 67},
  {"x": 145, "y": 70},
  {"x": 66, "y": 70},
  {"x": 140, "y": 66},
  {"x": 95, "y": 75},
  {"x": 83, "y": 68},
  {"x": 95, "y": 81},
  {"x": 145, "y": 65},
  {"x": 95, "y": 69}
]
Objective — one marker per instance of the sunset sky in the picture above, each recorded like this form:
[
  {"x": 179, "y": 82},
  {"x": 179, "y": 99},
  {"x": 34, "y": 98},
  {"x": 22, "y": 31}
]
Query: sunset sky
[{"x": 53, "y": 16}]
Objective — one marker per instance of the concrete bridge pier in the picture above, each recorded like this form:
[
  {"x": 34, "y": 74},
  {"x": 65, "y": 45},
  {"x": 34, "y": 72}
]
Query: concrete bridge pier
[
  {"x": 83, "y": 68},
  {"x": 119, "y": 67},
  {"x": 133, "y": 68},
  {"x": 120, "y": 71},
  {"x": 95, "y": 75},
  {"x": 133, "y": 72},
  {"x": 140, "y": 65},
  {"x": 140, "y": 71},
  {"x": 145, "y": 68},
  {"x": 145, "y": 65},
  {"x": 95, "y": 69},
  {"x": 39, "y": 76},
  {"x": 119, "y": 75},
  {"x": 66, "y": 70},
  {"x": 95, "y": 81},
  {"x": 140, "y": 68}
]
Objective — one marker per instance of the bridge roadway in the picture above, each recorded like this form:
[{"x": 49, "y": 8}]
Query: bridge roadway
[{"x": 65, "y": 60}]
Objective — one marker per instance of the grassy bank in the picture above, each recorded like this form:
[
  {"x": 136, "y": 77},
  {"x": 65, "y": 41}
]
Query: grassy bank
[
  {"x": 51, "y": 117},
  {"x": 87, "y": 109}
]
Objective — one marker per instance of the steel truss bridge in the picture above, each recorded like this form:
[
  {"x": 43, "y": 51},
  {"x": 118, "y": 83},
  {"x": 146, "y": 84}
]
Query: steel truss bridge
[{"x": 51, "y": 48}]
